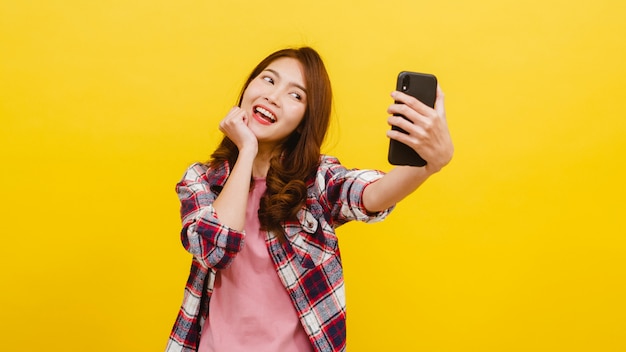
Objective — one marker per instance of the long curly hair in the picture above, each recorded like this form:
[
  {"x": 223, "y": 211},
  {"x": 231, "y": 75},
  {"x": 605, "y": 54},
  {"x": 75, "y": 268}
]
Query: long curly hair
[{"x": 299, "y": 156}]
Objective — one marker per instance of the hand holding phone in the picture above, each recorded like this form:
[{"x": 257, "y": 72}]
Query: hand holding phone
[{"x": 423, "y": 87}]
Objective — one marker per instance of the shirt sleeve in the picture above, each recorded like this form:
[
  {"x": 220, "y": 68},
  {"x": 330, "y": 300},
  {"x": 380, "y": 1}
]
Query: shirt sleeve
[
  {"x": 203, "y": 235},
  {"x": 341, "y": 192}
]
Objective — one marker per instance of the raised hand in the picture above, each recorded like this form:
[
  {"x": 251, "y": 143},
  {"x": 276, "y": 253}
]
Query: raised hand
[
  {"x": 427, "y": 128},
  {"x": 235, "y": 127}
]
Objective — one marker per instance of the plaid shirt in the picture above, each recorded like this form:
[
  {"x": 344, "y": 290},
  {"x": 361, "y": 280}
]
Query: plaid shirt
[{"x": 308, "y": 263}]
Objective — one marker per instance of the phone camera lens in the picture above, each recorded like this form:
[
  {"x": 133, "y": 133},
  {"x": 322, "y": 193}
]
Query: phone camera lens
[{"x": 405, "y": 83}]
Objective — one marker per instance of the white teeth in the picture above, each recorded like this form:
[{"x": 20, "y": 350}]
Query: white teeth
[{"x": 265, "y": 113}]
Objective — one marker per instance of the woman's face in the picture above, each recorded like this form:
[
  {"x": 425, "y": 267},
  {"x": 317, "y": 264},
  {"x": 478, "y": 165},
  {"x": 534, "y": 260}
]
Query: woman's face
[{"x": 275, "y": 101}]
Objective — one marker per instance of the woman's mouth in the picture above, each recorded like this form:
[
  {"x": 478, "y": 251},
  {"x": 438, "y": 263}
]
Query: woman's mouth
[{"x": 264, "y": 115}]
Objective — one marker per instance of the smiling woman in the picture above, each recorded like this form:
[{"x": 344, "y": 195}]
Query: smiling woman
[
  {"x": 277, "y": 92},
  {"x": 260, "y": 217},
  {"x": 519, "y": 243}
]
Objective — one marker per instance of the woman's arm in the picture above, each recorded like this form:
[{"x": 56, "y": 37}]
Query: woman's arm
[
  {"x": 212, "y": 243},
  {"x": 213, "y": 223},
  {"x": 427, "y": 134},
  {"x": 231, "y": 204}
]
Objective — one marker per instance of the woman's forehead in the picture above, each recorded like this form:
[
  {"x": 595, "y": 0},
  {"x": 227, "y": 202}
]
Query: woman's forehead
[{"x": 289, "y": 69}]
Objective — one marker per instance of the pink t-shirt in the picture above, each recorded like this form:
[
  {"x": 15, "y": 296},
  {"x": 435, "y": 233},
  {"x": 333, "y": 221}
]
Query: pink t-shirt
[{"x": 250, "y": 309}]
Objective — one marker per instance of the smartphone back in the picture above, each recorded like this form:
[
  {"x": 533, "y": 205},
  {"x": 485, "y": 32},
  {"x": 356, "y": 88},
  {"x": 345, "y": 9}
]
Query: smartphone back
[{"x": 423, "y": 87}]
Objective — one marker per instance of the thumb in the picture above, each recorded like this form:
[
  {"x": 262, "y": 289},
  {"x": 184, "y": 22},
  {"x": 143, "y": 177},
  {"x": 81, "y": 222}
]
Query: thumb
[{"x": 439, "y": 102}]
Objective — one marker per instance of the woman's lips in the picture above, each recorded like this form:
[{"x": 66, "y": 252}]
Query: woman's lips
[
  {"x": 261, "y": 119},
  {"x": 263, "y": 115}
]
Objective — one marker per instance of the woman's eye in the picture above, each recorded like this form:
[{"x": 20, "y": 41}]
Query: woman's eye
[
  {"x": 268, "y": 79},
  {"x": 297, "y": 96}
]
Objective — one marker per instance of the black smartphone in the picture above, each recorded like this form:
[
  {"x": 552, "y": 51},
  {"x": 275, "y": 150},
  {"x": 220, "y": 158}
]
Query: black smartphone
[{"x": 423, "y": 87}]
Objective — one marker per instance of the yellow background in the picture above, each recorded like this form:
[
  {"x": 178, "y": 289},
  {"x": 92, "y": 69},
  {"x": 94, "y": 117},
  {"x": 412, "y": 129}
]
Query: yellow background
[{"x": 518, "y": 245}]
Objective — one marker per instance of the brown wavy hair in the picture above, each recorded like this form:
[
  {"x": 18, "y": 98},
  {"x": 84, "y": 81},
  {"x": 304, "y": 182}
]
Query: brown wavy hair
[{"x": 299, "y": 156}]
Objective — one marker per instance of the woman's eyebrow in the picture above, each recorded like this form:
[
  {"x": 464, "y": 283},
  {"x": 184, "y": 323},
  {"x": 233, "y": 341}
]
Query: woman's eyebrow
[{"x": 292, "y": 83}]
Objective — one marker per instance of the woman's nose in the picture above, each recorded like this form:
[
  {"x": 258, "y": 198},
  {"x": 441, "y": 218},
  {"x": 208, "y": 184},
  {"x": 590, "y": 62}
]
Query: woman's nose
[{"x": 272, "y": 97}]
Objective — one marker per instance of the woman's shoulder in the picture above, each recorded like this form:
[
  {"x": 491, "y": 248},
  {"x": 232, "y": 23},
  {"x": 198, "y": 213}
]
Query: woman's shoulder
[
  {"x": 203, "y": 171},
  {"x": 195, "y": 171},
  {"x": 328, "y": 160},
  {"x": 330, "y": 167},
  {"x": 328, "y": 163}
]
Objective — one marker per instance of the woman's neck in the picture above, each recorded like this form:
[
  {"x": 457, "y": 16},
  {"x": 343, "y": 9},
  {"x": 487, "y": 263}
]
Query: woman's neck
[{"x": 262, "y": 161}]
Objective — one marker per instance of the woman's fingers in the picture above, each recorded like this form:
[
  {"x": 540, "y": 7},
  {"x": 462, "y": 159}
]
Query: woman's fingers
[
  {"x": 235, "y": 127},
  {"x": 426, "y": 128},
  {"x": 439, "y": 102}
]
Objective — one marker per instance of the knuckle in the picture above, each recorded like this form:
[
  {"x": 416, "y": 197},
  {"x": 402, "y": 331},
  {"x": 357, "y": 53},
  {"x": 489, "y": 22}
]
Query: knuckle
[
  {"x": 397, "y": 119},
  {"x": 404, "y": 109}
]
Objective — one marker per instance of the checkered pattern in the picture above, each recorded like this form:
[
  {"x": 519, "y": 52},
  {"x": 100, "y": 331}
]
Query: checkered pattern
[{"x": 308, "y": 263}]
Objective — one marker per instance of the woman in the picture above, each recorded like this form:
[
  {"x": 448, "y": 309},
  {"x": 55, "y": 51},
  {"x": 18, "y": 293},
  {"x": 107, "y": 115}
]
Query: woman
[{"x": 260, "y": 216}]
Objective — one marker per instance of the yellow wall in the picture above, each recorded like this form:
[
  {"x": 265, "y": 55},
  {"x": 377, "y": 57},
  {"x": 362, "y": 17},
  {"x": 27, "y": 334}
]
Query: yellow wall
[{"x": 517, "y": 246}]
